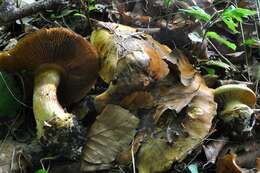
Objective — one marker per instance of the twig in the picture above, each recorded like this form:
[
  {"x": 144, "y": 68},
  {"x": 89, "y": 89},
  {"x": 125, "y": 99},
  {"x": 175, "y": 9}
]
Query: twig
[
  {"x": 244, "y": 46},
  {"x": 149, "y": 30},
  {"x": 231, "y": 81},
  {"x": 8, "y": 15},
  {"x": 133, "y": 158}
]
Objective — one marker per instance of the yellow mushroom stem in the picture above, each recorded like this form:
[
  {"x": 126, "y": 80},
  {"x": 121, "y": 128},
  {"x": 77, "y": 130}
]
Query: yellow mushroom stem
[
  {"x": 233, "y": 108},
  {"x": 238, "y": 116},
  {"x": 46, "y": 107}
]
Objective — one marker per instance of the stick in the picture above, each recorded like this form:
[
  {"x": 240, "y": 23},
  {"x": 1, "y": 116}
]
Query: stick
[{"x": 9, "y": 13}]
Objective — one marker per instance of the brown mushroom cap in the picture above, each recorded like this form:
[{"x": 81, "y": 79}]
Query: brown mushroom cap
[
  {"x": 60, "y": 48},
  {"x": 240, "y": 93}
]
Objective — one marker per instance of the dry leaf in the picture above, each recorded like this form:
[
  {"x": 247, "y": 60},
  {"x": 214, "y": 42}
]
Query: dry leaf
[
  {"x": 157, "y": 154},
  {"x": 173, "y": 95},
  {"x": 138, "y": 100},
  {"x": 227, "y": 164},
  {"x": 258, "y": 164},
  {"x": 213, "y": 149},
  {"x": 111, "y": 133},
  {"x": 186, "y": 70}
]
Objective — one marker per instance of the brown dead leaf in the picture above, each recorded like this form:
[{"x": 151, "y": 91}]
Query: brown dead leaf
[
  {"x": 15, "y": 157},
  {"x": 157, "y": 155},
  {"x": 227, "y": 164},
  {"x": 125, "y": 157},
  {"x": 247, "y": 4},
  {"x": 111, "y": 133},
  {"x": 258, "y": 164},
  {"x": 186, "y": 70},
  {"x": 173, "y": 95},
  {"x": 138, "y": 100},
  {"x": 213, "y": 149}
]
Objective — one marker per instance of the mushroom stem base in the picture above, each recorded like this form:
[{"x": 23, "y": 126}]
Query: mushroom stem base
[
  {"x": 57, "y": 130},
  {"x": 47, "y": 110},
  {"x": 238, "y": 117}
]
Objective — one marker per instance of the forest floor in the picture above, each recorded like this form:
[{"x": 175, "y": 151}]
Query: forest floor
[{"x": 184, "y": 100}]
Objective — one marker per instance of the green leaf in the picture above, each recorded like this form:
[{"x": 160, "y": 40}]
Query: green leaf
[
  {"x": 41, "y": 171},
  {"x": 198, "y": 13},
  {"x": 232, "y": 15},
  {"x": 252, "y": 42},
  {"x": 210, "y": 71},
  {"x": 193, "y": 168},
  {"x": 91, "y": 8},
  {"x": 221, "y": 40},
  {"x": 238, "y": 13},
  {"x": 80, "y": 15},
  {"x": 230, "y": 24},
  {"x": 167, "y": 3}
]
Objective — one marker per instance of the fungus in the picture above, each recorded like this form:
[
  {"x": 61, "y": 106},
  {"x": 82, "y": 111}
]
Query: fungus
[
  {"x": 236, "y": 102},
  {"x": 130, "y": 61},
  {"x": 63, "y": 64}
]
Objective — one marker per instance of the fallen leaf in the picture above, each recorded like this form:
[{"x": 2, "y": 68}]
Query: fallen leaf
[
  {"x": 227, "y": 164},
  {"x": 111, "y": 133},
  {"x": 213, "y": 149},
  {"x": 258, "y": 164},
  {"x": 186, "y": 70},
  {"x": 157, "y": 155},
  {"x": 173, "y": 95},
  {"x": 138, "y": 100}
]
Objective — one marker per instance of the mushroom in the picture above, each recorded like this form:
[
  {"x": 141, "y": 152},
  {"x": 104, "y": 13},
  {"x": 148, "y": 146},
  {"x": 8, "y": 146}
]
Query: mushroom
[
  {"x": 235, "y": 103},
  {"x": 63, "y": 63},
  {"x": 130, "y": 61}
]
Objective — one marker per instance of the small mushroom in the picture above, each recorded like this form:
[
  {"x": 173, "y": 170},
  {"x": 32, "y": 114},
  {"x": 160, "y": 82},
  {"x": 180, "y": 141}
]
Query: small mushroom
[
  {"x": 63, "y": 63},
  {"x": 235, "y": 102}
]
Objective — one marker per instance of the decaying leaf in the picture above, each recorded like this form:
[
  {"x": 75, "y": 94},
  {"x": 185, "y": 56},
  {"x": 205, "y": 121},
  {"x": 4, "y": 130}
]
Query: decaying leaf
[
  {"x": 173, "y": 95},
  {"x": 228, "y": 164},
  {"x": 14, "y": 157},
  {"x": 213, "y": 149},
  {"x": 111, "y": 133},
  {"x": 258, "y": 164},
  {"x": 138, "y": 100},
  {"x": 157, "y": 155}
]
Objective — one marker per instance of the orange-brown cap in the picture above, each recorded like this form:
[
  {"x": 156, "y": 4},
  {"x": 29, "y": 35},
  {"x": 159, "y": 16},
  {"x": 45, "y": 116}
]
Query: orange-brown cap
[{"x": 60, "y": 48}]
